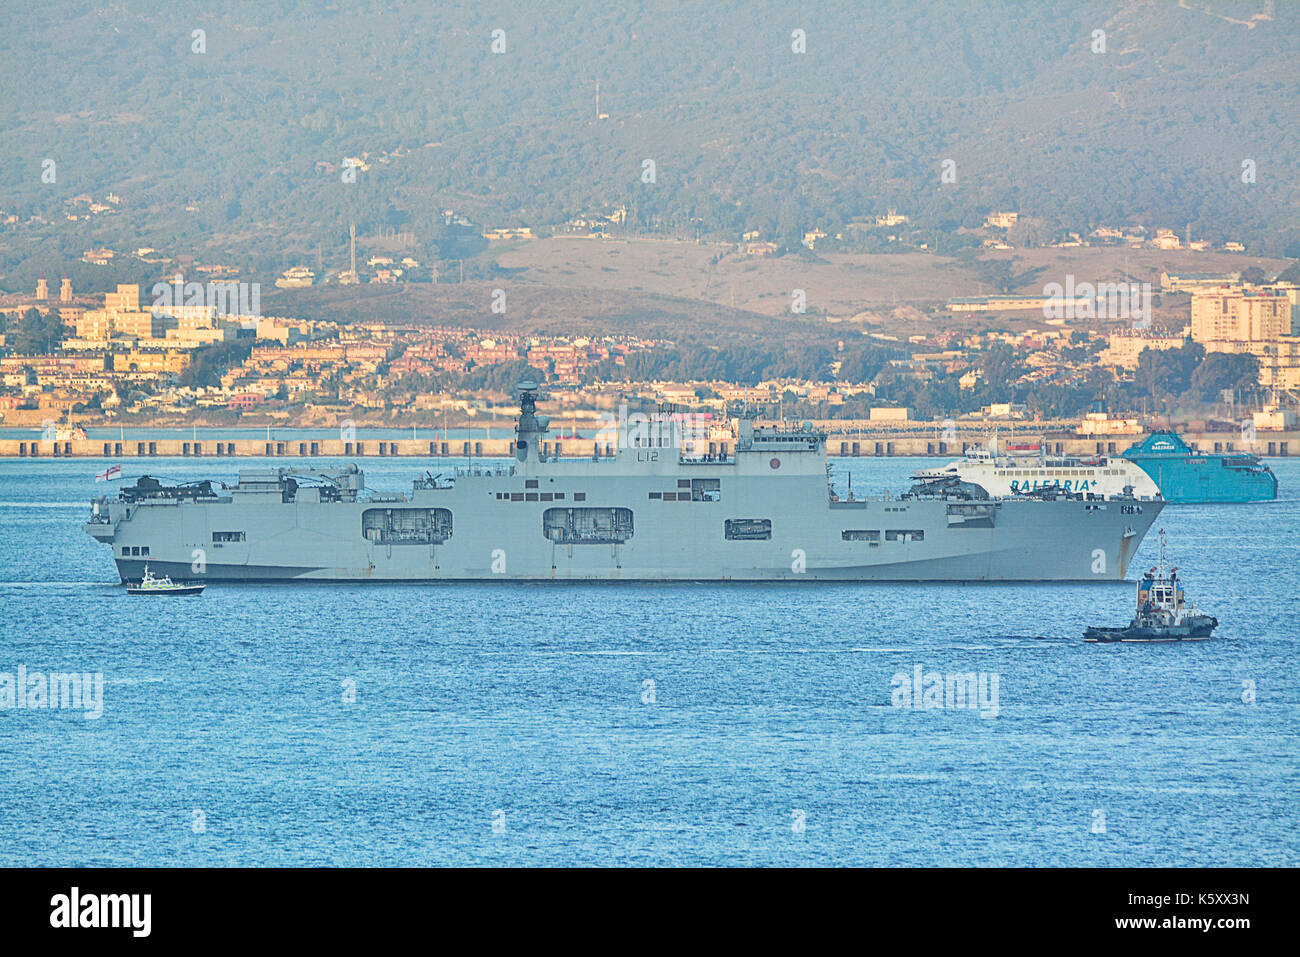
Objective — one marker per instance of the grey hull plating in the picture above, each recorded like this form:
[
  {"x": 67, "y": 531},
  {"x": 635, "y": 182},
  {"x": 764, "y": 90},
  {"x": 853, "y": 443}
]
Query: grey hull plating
[
  {"x": 764, "y": 513},
  {"x": 493, "y": 539}
]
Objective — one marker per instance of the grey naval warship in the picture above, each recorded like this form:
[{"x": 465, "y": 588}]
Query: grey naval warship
[{"x": 653, "y": 510}]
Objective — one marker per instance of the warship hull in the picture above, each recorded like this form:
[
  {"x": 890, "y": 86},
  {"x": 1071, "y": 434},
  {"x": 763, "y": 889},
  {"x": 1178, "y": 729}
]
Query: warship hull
[
  {"x": 765, "y": 510},
  {"x": 770, "y": 534}
]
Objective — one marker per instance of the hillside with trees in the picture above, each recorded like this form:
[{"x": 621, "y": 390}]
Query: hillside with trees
[{"x": 229, "y": 143}]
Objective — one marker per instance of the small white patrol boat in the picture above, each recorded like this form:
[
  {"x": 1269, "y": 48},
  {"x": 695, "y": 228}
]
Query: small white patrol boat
[{"x": 150, "y": 585}]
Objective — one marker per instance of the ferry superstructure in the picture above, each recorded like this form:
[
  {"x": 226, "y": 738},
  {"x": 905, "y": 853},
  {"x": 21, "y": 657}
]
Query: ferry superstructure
[
  {"x": 1186, "y": 476},
  {"x": 1026, "y": 469},
  {"x": 654, "y": 511}
]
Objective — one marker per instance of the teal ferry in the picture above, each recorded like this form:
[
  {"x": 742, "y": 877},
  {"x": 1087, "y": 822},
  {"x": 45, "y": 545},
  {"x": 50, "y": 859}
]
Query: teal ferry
[{"x": 1186, "y": 476}]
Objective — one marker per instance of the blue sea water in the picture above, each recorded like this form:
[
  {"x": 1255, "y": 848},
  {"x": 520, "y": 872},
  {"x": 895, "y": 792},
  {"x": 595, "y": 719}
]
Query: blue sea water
[{"x": 513, "y": 724}]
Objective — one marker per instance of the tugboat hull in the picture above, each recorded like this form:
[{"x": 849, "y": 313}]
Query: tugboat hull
[{"x": 1195, "y": 630}]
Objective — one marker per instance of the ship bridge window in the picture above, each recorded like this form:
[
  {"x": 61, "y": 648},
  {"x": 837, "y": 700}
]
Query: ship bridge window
[
  {"x": 587, "y": 526},
  {"x": 860, "y": 535},
  {"x": 705, "y": 490},
  {"x": 219, "y": 537},
  {"x": 406, "y": 526},
  {"x": 747, "y": 529},
  {"x": 904, "y": 535}
]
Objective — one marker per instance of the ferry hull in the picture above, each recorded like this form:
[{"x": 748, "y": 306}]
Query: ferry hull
[{"x": 1206, "y": 482}]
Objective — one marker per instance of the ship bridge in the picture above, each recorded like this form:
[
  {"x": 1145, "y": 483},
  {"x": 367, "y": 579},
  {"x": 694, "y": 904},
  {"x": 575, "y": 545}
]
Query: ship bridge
[{"x": 669, "y": 442}]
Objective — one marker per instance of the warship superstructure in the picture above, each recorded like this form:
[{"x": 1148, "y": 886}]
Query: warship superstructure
[{"x": 763, "y": 509}]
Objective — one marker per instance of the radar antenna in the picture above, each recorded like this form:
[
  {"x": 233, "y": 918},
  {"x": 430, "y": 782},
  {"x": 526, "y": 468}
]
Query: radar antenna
[{"x": 527, "y": 395}]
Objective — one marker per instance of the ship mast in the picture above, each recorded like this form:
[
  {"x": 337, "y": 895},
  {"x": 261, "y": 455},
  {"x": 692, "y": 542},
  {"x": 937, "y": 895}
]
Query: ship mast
[{"x": 530, "y": 427}]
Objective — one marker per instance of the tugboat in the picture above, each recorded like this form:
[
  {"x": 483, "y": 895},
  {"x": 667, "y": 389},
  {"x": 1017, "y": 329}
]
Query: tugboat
[
  {"x": 1162, "y": 611},
  {"x": 149, "y": 585}
]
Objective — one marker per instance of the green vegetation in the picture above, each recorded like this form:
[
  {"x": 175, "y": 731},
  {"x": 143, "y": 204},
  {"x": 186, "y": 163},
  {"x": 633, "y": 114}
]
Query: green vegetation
[
  {"x": 210, "y": 362},
  {"x": 36, "y": 333},
  {"x": 233, "y": 154},
  {"x": 1165, "y": 381}
]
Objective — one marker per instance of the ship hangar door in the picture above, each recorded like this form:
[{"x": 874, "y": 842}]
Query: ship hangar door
[
  {"x": 403, "y": 527},
  {"x": 567, "y": 527}
]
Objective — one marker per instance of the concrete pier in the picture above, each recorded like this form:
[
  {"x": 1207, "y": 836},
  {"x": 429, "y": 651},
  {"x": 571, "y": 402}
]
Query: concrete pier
[
  {"x": 856, "y": 444},
  {"x": 290, "y": 448}
]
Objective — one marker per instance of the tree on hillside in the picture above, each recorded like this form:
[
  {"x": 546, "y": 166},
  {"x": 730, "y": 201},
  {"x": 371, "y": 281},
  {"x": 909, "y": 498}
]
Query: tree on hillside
[
  {"x": 38, "y": 332},
  {"x": 1030, "y": 231},
  {"x": 862, "y": 363},
  {"x": 209, "y": 363},
  {"x": 1224, "y": 370},
  {"x": 1164, "y": 374}
]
